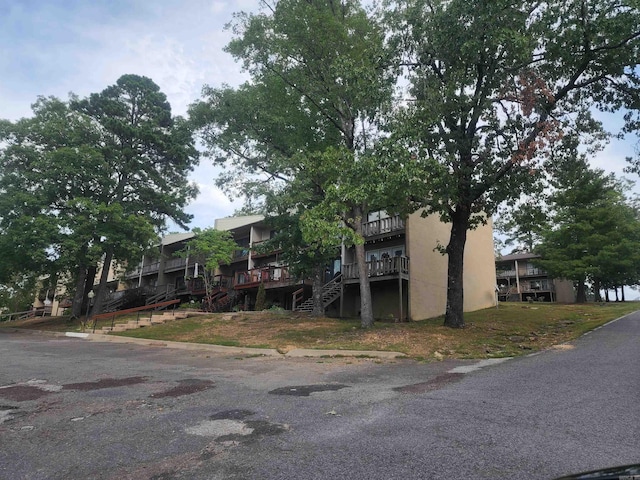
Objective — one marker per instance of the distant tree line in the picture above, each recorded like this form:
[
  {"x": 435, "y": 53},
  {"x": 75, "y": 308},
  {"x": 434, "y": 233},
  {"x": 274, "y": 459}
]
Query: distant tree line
[{"x": 582, "y": 223}]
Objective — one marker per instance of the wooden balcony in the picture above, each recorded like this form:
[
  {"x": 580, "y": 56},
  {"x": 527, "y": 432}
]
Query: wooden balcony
[
  {"x": 173, "y": 264},
  {"x": 529, "y": 272},
  {"x": 271, "y": 276},
  {"x": 383, "y": 226},
  {"x": 392, "y": 267}
]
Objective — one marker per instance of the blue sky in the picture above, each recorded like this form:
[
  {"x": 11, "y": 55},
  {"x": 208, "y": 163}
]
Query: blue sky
[{"x": 53, "y": 47}]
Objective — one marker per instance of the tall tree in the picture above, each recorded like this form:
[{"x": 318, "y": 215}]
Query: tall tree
[
  {"x": 93, "y": 179},
  {"x": 46, "y": 222},
  {"x": 490, "y": 84},
  {"x": 522, "y": 223},
  {"x": 148, "y": 154},
  {"x": 595, "y": 232},
  {"x": 323, "y": 62}
]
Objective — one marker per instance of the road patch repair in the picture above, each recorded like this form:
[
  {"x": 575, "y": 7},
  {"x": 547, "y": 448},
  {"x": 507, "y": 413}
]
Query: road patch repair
[
  {"x": 232, "y": 427},
  {"x": 105, "y": 383},
  {"x": 306, "y": 390},
  {"x": 30, "y": 390},
  {"x": 185, "y": 387}
]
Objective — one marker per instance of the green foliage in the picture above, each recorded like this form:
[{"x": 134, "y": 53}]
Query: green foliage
[
  {"x": 297, "y": 133},
  {"x": 17, "y": 294},
  {"x": 493, "y": 86},
  {"x": 596, "y": 234},
  {"x": 90, "y": 179},
  {"x": 216, "y": 247},
  {"x": 261, "y": 298},
  {"x": 523, "y": 223}
]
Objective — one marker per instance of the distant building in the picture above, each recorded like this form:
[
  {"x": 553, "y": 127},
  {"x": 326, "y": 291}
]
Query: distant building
[{"x": 520, "y": 280}]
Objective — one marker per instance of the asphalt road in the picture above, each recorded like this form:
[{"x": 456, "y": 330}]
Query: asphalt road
[{"x": 74, "y": 409}]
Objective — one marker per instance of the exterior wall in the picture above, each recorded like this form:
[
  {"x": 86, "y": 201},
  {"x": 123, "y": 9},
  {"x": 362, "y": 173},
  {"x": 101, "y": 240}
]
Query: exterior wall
[
  {"x": 113, "y": 276},
  {"x": 51, "y": 303},
  {"x": 386, "y": 299},
  {"x": 565, "y": 292},
  {"x": 428, "y": 268}
]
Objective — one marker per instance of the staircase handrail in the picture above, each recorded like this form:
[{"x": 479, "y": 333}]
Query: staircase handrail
[
  {"x": 297, "y": 295},
  {"x": 332, "y": 282},
  {"x": 24, "y": 314}
]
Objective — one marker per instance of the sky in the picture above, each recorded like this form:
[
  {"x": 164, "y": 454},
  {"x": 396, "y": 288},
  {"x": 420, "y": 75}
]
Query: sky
[{"x": 53, "y": 47}]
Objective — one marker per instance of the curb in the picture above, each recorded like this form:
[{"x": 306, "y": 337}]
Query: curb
[
  {"x": 310, "y": 352},
  {"x": 267, "y": 352},
  {"x": 98, "y": 337}
]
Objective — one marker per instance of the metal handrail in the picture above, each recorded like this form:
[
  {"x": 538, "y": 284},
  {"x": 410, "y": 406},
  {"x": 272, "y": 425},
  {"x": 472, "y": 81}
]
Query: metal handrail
[{"x": 127, "y": 311}]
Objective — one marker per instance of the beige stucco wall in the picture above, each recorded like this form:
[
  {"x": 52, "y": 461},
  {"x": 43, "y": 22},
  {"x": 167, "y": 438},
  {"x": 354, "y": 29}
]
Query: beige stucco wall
[{"x": 428, "y": 268}]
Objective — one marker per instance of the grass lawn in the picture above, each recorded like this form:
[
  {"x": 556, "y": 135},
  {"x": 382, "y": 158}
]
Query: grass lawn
[{"x": 512, "y": 329}]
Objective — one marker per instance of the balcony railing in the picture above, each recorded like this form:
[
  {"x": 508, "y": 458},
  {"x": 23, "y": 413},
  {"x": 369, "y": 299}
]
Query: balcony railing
[
  {"x": 526, "y": 288},
  {"x": 268, "y": 274},
  {"x": 505, "y": 273},
  {"x": 174, "y": 263},
  {"x": 529, "y": 272},
  {"x": 384, "y": 225},
  {"x": 375, "y": 268},
  {"x": 535, "y": 271}
]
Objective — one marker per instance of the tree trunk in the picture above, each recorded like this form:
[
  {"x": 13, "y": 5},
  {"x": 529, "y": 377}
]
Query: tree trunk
[
  {"x": 606, "y": 295},
  {"x": 366, "y": 304},
  {"x": 581, "y": 294},
  {"x": 615, "y": 289},
  {"x": 596, "y": 291},
  {"x": 102, "y": 287},
  {"x": 316, "y": 290},
  {"x": 622, "y": 293},
  {"x": 79, "y": 295},
  {"x": 454, "y": 315}
]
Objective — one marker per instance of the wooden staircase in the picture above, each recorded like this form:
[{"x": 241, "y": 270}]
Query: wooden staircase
[
  {"x": 168, "y": 293},
  {"x": 331, "y": 291},
  {"x": 222, "y": 300}
]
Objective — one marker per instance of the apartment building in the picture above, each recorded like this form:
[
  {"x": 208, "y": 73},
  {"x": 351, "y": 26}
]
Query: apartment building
[
  {"x": 521, "y": 280},
  {"x": 408, "y": 276}
]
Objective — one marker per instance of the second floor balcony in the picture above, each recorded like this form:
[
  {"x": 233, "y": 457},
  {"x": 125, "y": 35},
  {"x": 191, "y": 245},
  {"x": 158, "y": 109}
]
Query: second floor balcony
[
  {"x": 384, "y": 267},
  {"x": 523, "y": 272},
  {"x": 383, "y": 226},
  {"x": 269, "y": 275}
]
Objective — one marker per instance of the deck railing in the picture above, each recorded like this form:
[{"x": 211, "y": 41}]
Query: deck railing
[
  {"x": 384, "y": 225},
  {"x": 268, "y": 274},
  {"x": 384, "y": 266}
]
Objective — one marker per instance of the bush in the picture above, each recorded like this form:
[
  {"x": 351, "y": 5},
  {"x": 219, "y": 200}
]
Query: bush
[{"x": 261, "y": 298}]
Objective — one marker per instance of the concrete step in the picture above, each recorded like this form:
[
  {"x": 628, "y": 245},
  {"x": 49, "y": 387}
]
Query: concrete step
[
  {"x": 156, "y": 319},
  {"x": 138, "y": 324},
  {"x": 121, "y": 327}
]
